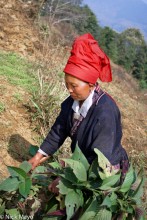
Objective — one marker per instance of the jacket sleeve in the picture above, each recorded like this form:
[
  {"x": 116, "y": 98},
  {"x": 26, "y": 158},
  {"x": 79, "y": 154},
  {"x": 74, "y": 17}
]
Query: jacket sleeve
[{"x": 58, "y": 132}]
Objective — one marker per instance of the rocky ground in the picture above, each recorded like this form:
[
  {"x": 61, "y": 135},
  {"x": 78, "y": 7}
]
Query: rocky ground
[{"x": 17, "y": 29}]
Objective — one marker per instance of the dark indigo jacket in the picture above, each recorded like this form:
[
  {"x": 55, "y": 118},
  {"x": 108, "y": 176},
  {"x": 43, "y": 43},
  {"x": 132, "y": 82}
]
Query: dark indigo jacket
[{"x": 100, "y": 129}]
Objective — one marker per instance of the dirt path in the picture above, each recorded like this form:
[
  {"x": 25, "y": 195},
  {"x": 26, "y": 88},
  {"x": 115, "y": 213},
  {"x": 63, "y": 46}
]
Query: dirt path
[{"x": 15, "y": 134}]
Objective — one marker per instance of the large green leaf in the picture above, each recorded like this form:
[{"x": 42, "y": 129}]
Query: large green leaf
[
  {"x": 78, "y": 169},
  {"x": 25, "y": 166},
  {"x": 91, "y": 211},
  {"x": 25, "y": 186},
  {"x": 94, "y": 184},
  {"x": 102, "y": 160},
  {"x": 107, "y": 202},
  {"x": 103, "y": 214},
  {"x": 139, "y": 192},
  {"x": 124, "y": 206},
  {"x": 102, "y": 175},
  {"x": 13, "y": 213},
  {"x": 79, "y": 156},
  {"x": 135, "y": 185},
  {"x": 93, "y": 170},
  {"x": 17, "y": 172},
  {"x": 129, "y": 179},
  {"x": 55, "y": 165},
  {"x": 9, "y": 184},
  {"x": 114, "y": 203},
  {"x": 110, "y": 201},
  {"x": 65, "y": 186},
  {"x": 69, "y": 175},
  {"x": 73, "y": 200},
  {"x": 130, "y": 209},
  {"x": 38, "y": 172},
  {"x": 2, "y": 207},
  {"x": 109, "y": 182}
]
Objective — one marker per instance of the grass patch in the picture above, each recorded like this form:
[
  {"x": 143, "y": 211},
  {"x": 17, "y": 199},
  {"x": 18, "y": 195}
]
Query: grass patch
[
  {"x": 18, "y": 97},
  {"x": 18, "y": 70},
  {"x": 41, "y": 81},
  {"x": 2, "y": 107}
]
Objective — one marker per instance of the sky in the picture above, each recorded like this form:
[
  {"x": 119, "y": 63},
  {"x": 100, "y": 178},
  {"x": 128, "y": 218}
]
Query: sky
[
  {"x": 120, "y": 14},
  {"x": 145, "y": 1}
]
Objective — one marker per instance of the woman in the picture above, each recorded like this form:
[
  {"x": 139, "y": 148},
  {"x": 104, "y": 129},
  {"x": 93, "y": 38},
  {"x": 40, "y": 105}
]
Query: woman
[{"x": 88, "y": 116}]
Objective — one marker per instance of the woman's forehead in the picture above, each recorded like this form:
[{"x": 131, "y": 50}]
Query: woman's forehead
[{"x": 71, "y": 78}]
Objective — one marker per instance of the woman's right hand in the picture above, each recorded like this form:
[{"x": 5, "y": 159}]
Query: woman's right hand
[{"x": 37, "y": 160}]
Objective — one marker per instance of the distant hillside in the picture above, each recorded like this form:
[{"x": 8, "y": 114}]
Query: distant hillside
[{"x": 120, "y": 14}]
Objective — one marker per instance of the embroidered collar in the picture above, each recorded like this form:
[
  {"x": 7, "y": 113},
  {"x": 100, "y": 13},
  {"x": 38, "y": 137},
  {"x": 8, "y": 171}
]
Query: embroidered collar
[{"x": 85, "y": 106}]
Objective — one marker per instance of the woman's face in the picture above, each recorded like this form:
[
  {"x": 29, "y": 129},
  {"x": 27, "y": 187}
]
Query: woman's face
[{"x": 78, "y": 89}]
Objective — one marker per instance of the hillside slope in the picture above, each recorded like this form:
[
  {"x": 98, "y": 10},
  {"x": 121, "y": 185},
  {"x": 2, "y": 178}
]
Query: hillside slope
[
  {"x": 18, "y": 34},
  {"x": 16, "y": 134},
  {"x": 17, "y": 31},
  {"x": 133, "y": 105}
]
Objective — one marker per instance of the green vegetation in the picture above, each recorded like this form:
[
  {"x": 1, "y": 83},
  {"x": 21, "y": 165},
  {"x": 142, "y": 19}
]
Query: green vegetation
[
  {"x": 85, "y": 191},
  {"x": 18, "y": 97},
  {"x": 88, "y": 23},
  {"x": 43, "y": 104},
  {"x": 18, "y": 70},
  {"x": 2, "y": 107}
]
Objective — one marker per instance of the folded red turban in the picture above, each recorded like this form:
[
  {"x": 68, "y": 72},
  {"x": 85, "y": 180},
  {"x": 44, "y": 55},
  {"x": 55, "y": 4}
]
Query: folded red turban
[{"x": 87, "y": 61}]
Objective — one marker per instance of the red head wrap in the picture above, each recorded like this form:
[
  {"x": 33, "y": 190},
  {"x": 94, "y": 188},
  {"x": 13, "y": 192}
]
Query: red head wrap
[{"x": 87, "y": 61}]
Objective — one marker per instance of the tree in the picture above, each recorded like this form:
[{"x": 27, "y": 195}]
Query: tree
[
  {"x": 88, "y": 22},
  {"x": 128, "y": 45},
  {"x": 140, "y": 66},
  {"x": 57, "y": 11},
  {"x": 108, "y": 41}
]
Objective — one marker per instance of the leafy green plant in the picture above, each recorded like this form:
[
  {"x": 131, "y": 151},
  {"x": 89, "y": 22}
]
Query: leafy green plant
[
  {"x": 98, "y": 190},
  {"x": 86, "y": 192},
  {"x": 20, "y": 191}
]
